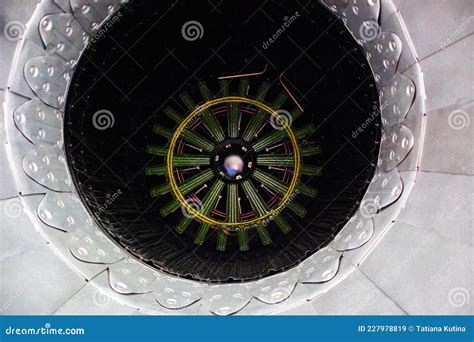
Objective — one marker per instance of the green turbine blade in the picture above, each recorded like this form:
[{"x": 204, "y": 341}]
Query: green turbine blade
[
  {"x": 221, "y": 241},
  {"x": 243, "y": 237},
  {"x": 275, "y": 160},
  {"x": 309, "y": 151},
  {"x": 232, "y": 203}
]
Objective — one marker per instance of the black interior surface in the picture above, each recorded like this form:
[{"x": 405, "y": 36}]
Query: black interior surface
[{"x": 142, "y": 63}]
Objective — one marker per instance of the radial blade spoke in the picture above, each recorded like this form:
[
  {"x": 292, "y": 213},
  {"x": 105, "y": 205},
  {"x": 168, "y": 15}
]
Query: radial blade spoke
[
  {"x": 256, "y": 201},
  {"x": 232, "y": 203},
  {"x": 295, "y": 114},
  {"x": 208, "y": 116},
  {"x": 201, "y": 234},
  {"x": 244, "y": 87},
  {"x": 233, "y": 112},
  {"x": 305, "y": 131},
  {"x": 157, "y": 150},
  {"x": 280, "y": 100},
  {"x": 196, "y": 139},
  {"x": 311, "y": 170},
  {"x": 264, "y": 235},
  {"x": 163, "y": 131},
  {"x": 183, "y": 224},
  {"x": 270, "y": 181},
  {"x": 262, "y": 91},
  {"x": 192, "y": 183},
  {"x": 188, "y": 101},
  {"x": 243, "y": 237},
  {"x": 307, "y": 190},
  {"x": 211, "y": 197},
  {"x": 309, "y": 151},
  {"x": 160, "y": 190},
  {"x": 275, "y": 160},
  {"x": 257, "y": 120},
  {"x": 269, "y": 139},
  {"x": 298, "y": 209},
  {"x": 170, "y": 208},
  {"x": 221, "y": 241},
  {"x": 190, "y": 160},
  {"x": 155, "y": 170},
  {"x": 282, "y": 224},
  {"x": 173, "y": 114}
]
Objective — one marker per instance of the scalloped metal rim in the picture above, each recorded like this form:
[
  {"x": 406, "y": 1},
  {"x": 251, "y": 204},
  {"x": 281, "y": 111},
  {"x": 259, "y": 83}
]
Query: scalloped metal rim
[{"x": 129, "y": 276}]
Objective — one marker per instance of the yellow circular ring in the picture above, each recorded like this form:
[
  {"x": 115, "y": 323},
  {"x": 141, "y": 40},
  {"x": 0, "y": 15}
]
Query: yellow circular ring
[{"x": 174, "y": 186}]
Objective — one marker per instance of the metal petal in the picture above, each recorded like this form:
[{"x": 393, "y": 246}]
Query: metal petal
[
  {"x": 321, "y": 266},
  {"x": 48, "y": 78},
  {"x": 383, "y": 54},
  {"x": 40, "y": 123},
  {"x": 129, "y": 276},
  {"x": 396, "y": 99},
  {"x": 397, "y": 141},
  {"x": 62, "y": 35},
  {"x": 355, "y": 233},
  {"x": 275, "y": 289},
  {"x": 46, "y": 165},
  {"x": 174, "y": 293},
  {"x": 91, "y": 245},
  {"x": 361, "y": 19},
  {"x": 223, "y": 300},
  {"x": 91, "y": 14},
  {"x": 63, "y": 211}
]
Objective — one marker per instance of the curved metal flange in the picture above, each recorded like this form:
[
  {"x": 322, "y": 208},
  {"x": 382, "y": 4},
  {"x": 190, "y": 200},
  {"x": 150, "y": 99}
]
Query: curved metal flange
[
  {"x": 175, "y": 293},
  {"x": 396, "y": 143},
  {"x": 40, "y": 123},
  {"x": 63, "y": 211},
  {"x": 63, "y": 36},
  {"x": 48, "y": 76},
  {"x": 129, "y": 276},
  {"x": 321, "y": 266},
  {"x": 46, "y": 165},
  {"x": 91, "y": 245},
  {"x": 226, "y": 299},
  {"x": 355, "y": 233},
  {"x": 396, "y": 99},
  {"x": 275, "y": 289},
  {"x": 92, "y": 14}
]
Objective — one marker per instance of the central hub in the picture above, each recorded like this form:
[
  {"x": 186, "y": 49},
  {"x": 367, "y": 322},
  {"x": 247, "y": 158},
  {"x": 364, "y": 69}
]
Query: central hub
[{"x": 233, "y": 160}]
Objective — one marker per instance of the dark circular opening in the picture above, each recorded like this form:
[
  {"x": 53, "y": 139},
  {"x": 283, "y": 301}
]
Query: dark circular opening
[{"x": 157, "y": 62}]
